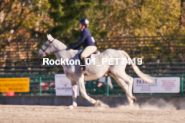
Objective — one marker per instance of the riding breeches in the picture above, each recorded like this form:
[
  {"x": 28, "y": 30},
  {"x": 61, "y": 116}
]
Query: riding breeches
[{"x": 88, "y": 51}]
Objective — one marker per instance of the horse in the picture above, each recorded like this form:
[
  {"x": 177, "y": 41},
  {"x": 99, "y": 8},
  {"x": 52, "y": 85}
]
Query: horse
[{"x": 77, "y": 78}]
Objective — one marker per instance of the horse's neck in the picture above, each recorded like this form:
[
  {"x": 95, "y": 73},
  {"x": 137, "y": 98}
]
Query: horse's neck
[
  {"x": 60, "y": 51},
  {"x": 66, "y": 54},
  {"x": 59, "y": 45},
  {"x": 62, "y": 54}
]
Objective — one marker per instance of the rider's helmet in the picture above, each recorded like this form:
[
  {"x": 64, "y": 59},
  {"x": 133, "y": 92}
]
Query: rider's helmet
[{"x": 84, "y": 21}]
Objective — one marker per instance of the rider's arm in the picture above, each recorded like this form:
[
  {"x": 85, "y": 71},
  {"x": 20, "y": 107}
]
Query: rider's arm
[{"x": 81, "y": 41}]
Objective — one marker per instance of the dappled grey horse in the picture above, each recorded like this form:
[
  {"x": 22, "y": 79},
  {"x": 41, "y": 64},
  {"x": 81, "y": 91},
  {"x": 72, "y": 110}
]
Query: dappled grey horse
[{"x": 94, "y": 69}]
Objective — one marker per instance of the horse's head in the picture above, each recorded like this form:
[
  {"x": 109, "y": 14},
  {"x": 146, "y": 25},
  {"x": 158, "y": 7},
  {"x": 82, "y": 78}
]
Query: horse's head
[{"x": 50, "y": 46}]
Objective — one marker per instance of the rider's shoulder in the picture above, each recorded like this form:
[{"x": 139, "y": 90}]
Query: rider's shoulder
[{"x": 86, "y": 30}]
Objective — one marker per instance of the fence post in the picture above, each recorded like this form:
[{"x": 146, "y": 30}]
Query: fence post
[
  {"x": 182, "y": 85},
  {"x": 40, "y": 87},
  {"x": 107, "y": 85}
]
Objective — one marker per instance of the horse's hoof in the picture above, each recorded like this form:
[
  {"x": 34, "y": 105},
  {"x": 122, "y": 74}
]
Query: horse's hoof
[
  {"x": 134, "y": 98},
  {"x": 131, "y": 106},
  {"x": 71, "y": 107},
  {"x": 99, "y": 103}
]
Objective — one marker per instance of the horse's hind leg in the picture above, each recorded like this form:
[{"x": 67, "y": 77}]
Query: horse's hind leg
[
  {"x": 126, "y": 87},
  {"x": 129, "y": 81}
]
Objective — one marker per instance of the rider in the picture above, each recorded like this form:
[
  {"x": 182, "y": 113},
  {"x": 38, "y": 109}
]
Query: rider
[{"x": 86, "y": 40}]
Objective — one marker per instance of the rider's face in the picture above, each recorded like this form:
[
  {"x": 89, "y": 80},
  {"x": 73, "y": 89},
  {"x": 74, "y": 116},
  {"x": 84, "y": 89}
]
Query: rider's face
[{"x": 80, "y": 26}]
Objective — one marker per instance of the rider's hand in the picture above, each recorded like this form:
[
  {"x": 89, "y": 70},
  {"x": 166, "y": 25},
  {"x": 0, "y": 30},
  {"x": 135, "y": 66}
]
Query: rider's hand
[{"x": 68, "y": 48}]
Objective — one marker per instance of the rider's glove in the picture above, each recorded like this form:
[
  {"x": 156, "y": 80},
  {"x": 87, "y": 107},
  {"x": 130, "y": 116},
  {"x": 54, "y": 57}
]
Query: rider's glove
[{"x": 68, "y": 48}]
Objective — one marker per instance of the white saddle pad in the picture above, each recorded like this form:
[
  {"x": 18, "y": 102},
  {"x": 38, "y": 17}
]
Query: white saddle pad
[{"x": 92, "y": 55}]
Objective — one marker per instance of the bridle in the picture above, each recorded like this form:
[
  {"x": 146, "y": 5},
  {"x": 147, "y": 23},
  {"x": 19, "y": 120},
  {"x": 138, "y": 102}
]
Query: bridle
[{"x": 43, "y": 50}]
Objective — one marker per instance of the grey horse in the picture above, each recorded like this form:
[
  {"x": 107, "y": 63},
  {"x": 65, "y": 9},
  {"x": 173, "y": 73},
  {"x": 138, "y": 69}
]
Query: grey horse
[{"x": 95, "y": 71}]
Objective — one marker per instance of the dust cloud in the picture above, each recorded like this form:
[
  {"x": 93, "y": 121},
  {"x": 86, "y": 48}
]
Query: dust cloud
[{"x": 155, "y": 104}]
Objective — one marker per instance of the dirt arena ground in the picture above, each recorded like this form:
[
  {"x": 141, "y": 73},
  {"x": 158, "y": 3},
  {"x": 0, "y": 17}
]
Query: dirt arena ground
[{"x": 62, "y": 114}]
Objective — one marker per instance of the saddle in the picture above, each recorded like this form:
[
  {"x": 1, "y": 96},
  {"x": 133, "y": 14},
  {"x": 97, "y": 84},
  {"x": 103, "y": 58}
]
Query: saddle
[{"x": 82, "y": 61}]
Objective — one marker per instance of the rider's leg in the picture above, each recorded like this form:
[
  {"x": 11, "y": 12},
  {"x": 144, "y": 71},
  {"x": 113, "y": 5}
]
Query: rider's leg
[{"x": 87, "y": 52}]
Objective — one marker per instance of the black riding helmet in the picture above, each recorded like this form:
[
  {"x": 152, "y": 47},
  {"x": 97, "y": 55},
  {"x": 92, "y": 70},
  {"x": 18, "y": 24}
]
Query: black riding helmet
[{"x": 84, "y": 21}]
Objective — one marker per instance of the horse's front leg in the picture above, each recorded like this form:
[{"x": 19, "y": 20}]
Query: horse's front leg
[
  {"x": 84, "y": 94},
  {"x": 74, "y": 97},
  {"x": 81, "y": 85}
]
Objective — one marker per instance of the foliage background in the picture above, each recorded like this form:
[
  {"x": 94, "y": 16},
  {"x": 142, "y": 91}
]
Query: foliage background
[{"x": 25, "y": 20}]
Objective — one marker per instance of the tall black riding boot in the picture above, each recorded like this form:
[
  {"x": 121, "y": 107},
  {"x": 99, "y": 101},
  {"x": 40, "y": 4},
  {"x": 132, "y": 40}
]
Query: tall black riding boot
[
  {"x": 83, "y": 68},
  {"x": 83, "y": 63}
]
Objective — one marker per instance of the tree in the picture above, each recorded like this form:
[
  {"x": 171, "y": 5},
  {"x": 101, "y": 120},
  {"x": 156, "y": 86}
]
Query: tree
[
  {"x": 21, "y": 20},
  {"x": 66, "y": 14}
]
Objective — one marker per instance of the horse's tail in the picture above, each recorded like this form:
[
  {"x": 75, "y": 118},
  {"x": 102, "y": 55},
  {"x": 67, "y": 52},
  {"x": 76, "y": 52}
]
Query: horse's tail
[{"x": 145, "y": 77}]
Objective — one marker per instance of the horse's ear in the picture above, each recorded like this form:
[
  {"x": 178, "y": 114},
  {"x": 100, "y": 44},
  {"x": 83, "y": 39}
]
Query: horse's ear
[
  {"x": 50, "y": 38},
  {"x": 47, "y": 36}
]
